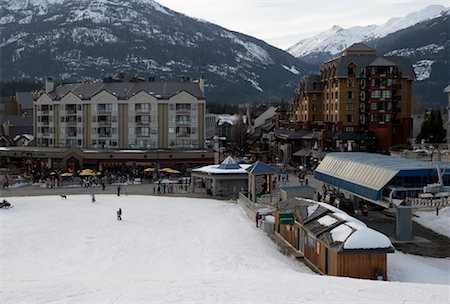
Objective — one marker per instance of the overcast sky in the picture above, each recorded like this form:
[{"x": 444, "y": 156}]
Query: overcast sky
[{"x": 282, "y": 23}]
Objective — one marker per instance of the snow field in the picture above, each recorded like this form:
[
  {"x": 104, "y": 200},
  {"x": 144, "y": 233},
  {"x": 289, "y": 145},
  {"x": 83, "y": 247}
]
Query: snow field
[{"x": 165, "y": 250}]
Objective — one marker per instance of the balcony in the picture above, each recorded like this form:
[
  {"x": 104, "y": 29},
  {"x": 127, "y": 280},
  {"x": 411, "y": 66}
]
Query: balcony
[
  {"x": 183, "y": 122},
  {"x": 72, "y": 134},
  {"x": 142, "y": 110},
  {"x": 142, "y": 134},
  {"x": 104, "y": 134},
  {"x": 71, "y": 122},
  {"x": 143, "y": 122},
  {"x": 183, "y": 134},
  {"x": 104, "y": 110}
]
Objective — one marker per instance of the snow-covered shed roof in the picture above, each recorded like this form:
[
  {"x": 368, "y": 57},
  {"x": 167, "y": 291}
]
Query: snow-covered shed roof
[{"x": 341, "y": 231}]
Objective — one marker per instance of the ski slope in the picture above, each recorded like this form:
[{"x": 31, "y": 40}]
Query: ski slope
[{"x": 179, "y": 250}]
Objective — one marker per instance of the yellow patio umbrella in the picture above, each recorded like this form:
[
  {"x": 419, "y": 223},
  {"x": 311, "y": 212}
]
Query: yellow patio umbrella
[
  {"x": 66, "y": 174},
  {"x": 168, "y": 170},
  {"x": 174, "y": 171},
  {"x": 147, "y": 170},
  {"x": 87, "y": 173}
]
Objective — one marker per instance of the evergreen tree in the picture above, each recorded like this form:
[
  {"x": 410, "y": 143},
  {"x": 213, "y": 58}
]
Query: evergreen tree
[{"x": 432, "y": 129}]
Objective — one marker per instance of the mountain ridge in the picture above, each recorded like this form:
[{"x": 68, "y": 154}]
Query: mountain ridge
[{"x": 89, "y": 39}]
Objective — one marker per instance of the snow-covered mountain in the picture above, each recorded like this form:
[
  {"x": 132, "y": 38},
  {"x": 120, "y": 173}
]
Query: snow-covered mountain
[
  {"x": 426, "y": 45},
  {"x": 88, "y": 39},
  {"x": 335, "y": 40}
]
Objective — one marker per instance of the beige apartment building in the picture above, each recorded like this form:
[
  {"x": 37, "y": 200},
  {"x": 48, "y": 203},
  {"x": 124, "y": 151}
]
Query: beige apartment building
[{"x": 121, "y": 115}]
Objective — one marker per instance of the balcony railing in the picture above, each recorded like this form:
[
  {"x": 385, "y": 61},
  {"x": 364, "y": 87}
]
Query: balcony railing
[{"x": 143, "y": 122}]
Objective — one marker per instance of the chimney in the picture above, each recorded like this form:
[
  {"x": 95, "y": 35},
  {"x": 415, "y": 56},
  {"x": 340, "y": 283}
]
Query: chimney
[
  {"x": 49, "y": 85},
  {"x": 201, "y": 84}
]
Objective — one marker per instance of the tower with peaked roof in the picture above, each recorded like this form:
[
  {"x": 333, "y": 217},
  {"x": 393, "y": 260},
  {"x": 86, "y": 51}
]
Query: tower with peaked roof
[{"x": 359, "y": 100}]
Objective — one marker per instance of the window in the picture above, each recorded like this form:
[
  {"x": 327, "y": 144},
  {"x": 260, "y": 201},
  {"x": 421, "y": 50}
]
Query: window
[
  {"x": 194, "y": 106},
  {"x": 350, "y": 94},
  {"x": 374, "y": 106},
  {"x": 314, "y": 97},
  {"x": 130, "y": 131},
  {"x": 385, "y": 94},
  {"x": 349, "y": 129},
  {"x": 349, "y": 106},
  {"x": 172, "y": 119},
  {"x": 350, "y": 83},
  {"x": 350, "y": 71},
  {"x": 171, "y": 130},
  {"x": 336, "y": 95},
  {"x": 63, "y": 118},
  {"x": 194, "y": 119},
  {"x": 349, "y": 117},
  {"x": 388, "y": 118},
  {"x": 375, "y": 94},
  {"x": 171, "y": 107},
  {"x": 153, "y": 130}
]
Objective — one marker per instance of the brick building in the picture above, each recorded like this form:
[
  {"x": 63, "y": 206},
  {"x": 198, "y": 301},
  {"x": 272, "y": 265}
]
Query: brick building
[{"x": 357, "y": 97}]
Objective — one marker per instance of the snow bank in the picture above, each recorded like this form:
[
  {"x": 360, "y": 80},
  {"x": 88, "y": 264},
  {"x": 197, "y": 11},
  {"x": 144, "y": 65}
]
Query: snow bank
[
  {"x": 177, "y": 250},
  {"x": 439, "y": 224}
]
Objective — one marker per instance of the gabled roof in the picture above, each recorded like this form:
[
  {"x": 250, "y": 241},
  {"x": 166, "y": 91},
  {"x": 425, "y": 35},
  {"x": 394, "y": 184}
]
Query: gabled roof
[
  {"x": 355, "y": 47},
  {"x": 229, "y": 163},
  {"x": 447, "y": 89},
  {"x": 380, "y": 61},
  {"x": 261, "y": 168},
  {"x": 125, "y": 90}
]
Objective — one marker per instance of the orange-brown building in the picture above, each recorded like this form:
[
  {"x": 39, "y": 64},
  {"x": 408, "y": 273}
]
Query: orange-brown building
[
  {"x": 357, "y": 93},
  {"x": 332, "y": 242}
]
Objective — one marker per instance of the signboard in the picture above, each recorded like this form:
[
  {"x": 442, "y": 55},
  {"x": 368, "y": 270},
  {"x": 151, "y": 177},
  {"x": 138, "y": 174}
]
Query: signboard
[{"x": 285, "y": 218}]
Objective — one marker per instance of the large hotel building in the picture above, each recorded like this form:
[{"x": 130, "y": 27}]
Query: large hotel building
[
  {"x": 358, "y": 97},
  {"x": 116, "y": 125},
  {"x": 121, "y": 115}
]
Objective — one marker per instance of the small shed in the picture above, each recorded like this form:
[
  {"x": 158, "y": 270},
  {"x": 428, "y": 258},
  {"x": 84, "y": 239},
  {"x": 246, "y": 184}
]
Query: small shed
[
  {"x": 304, "y": 191},
  {"x": 225, "y": 180},
  {"x": 332, "y": 242}
]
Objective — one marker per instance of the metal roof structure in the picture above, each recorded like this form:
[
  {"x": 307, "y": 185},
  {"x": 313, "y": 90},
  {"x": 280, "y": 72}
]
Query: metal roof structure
[
  {"x": 229, "y": 163},
  {"x": 366, "y": 174},
  {"x": 261, "y": 168}
]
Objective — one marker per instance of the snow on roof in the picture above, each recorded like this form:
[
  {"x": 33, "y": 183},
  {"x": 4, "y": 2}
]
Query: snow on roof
[
  {"x": 327, "y": 220},
  {"x": 230, "y": 119},
  {"x": 341, "y": 233},
  {"x": 214, "y": 169},
  {"x": 348, "y": 218},
  {"x": 29, "y": 137},
  {"x": 329, "y": 207},
  {"x": 366, "y": 238},
  {"x": 311, "y": 209}
]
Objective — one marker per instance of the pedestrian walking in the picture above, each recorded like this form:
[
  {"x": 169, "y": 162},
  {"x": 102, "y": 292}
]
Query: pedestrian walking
[
  {"x": 125, "y": 189},
  {"x": 119, "y": 214},
  {"x": 118, "y": 190},
  {"x": 93, "y": 197},
  {"x": 257, "y": 218},
  {"x": 319, "y": 196},
  {"x": 103, "y": 185}
]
